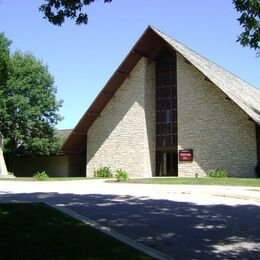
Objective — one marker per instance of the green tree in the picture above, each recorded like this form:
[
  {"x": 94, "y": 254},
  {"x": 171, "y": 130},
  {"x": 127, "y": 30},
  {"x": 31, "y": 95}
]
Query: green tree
[
  {"x": 28, "y": 107},
  {"x": 250, "y": 21},
  {"x": 57, "y": 10},
  {"x": 4, "y": 59}
]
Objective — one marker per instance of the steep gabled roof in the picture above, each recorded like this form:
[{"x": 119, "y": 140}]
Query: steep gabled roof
[
  {"x": 149, "y": 44},
  {"x": 246, "y": 96}
]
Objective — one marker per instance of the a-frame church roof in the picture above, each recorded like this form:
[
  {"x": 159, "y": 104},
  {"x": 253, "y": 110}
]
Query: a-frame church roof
[{"x": 244, "y": 95}]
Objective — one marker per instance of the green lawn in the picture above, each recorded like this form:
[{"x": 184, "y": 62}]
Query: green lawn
[
  {"x": 35, "y": 231},
  {"x": 252, "y": 182}
]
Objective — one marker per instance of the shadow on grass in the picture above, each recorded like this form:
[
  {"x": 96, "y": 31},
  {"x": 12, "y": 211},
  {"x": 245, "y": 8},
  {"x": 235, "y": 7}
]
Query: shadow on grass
[
  {"x": 181, "y": 229},
  {"x": 37, "y": 231}
]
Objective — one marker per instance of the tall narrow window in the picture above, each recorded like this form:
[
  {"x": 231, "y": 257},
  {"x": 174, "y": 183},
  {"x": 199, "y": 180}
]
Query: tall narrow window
[{"x": 166, "y": 114}]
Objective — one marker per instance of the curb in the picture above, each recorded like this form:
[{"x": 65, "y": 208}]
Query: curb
[
  {"x": 234, "y": 196},
  {"x": 110, "y": 232}
]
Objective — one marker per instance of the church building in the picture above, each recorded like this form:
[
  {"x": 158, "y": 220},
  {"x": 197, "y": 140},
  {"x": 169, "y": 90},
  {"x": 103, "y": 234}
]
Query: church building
[{"x": 168, "y": 111}]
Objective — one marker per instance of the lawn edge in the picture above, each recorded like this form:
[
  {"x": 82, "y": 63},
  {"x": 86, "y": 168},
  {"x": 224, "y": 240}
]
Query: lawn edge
[{"x": 112, "y": 233}]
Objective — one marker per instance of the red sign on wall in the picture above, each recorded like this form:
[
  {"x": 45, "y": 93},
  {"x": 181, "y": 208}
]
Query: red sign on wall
[{"x": 186, "y": 155}]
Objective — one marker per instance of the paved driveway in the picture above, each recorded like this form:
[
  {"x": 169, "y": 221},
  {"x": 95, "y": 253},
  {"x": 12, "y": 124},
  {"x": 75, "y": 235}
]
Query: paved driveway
[{"x": 186, "y": 222}]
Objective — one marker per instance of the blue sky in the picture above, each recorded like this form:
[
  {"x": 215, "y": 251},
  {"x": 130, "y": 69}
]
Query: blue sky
[{"x": 82, "y": 58}]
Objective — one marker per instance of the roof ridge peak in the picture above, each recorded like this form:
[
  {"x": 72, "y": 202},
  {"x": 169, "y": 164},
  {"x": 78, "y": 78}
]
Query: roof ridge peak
[{"x": 202, "y": 56}]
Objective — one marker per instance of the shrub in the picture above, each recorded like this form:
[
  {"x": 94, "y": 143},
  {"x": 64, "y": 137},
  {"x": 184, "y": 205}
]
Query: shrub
[
  {"x": 103, "y": 172},
  {"x": 121, "y": 175},
  {"x": 41, "y": 176},
  {"x": 257, "y": 169},
  {"x": 217, "y": 173}
]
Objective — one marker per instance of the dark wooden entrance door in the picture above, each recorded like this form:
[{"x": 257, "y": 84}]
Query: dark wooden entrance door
[{"x": 166, "y": 164}]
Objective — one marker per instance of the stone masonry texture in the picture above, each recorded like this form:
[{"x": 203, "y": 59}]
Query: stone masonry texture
[
  {"x": 121, "y": 138},
  {"x": 216, "y": 129},
  {"x": 3, "y": 169}
]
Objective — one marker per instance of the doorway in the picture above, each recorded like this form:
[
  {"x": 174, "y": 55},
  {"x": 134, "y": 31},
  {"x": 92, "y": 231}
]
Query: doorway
[{"x": 166, "y": 164}]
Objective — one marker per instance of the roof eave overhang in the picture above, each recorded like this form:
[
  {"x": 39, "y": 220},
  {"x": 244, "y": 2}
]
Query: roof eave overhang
[{"x": 146, "y": 46}]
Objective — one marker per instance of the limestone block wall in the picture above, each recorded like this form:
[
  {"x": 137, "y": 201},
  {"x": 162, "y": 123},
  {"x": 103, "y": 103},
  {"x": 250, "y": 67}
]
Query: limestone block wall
[
  {"x": 216, "y": 129},
  {"x": 150, "y": 144},
  {"x": 119, "y": 137},
  {"x": 3, "y": 170}
]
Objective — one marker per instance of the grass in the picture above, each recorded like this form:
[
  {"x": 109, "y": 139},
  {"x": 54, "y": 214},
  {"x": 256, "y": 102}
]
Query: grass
[
  {"x": 36, "y": 231},
  {"x": 252, "y": 182}
]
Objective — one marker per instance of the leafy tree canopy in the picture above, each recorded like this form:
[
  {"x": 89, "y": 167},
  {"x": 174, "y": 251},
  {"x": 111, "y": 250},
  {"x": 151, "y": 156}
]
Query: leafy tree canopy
[
  {"x": 4, "y": 58},
  {"x": 57, "y": 10},
  {"x": 250, "y": 21},
  {"x": 28, "y": 106}
]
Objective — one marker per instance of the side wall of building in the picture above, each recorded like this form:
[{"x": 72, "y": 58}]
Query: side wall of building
[
  {"x": 54, "y": 166},
  {"x": 120, "y": 137},
  {"x": 216, "y": 129}
]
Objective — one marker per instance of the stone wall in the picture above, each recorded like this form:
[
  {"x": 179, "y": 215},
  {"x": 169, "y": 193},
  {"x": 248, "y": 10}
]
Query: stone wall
[
  {"x": 150, "y": 146},
  {"x": 3, "y": 170},
  {"x": 216, "y": 129},
  {"x": 119, "y": 137},
  {"x": 54, "y": 166}
]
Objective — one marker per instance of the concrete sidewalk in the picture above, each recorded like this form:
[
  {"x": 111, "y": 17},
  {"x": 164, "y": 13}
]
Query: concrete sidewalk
[{"x": 160, "y": 191}]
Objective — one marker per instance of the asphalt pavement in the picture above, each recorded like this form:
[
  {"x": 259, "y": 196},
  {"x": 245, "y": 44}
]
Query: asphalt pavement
[{"x": 182, "y": 221}]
